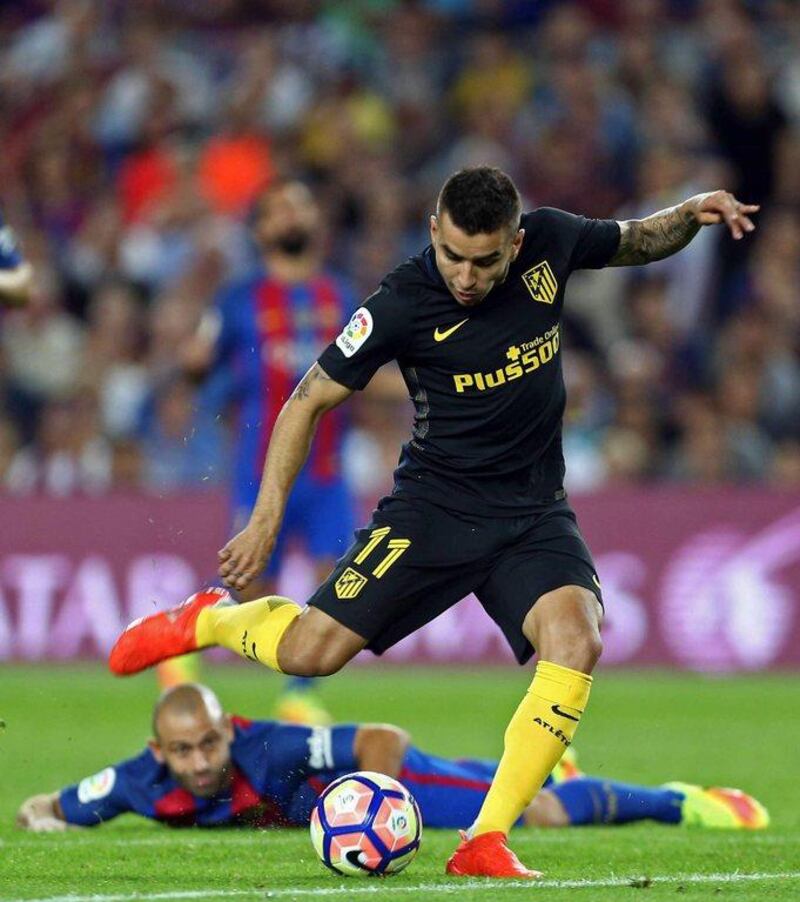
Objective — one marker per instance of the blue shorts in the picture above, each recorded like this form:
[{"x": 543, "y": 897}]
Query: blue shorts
[
  {"x": 449, "y": 793},
  {"x": 319, "y": 517}
]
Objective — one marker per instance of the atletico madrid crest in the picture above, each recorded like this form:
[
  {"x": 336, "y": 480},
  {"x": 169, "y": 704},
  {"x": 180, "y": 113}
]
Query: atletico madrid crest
[
  {"x": 541, "y": 283},
  {"x": 349, "y": 584}
]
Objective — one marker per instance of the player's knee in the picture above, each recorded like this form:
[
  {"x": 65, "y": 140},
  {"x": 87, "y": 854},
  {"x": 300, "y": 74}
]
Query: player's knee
[
  {"x": 564, "y": 626},
  {"x": 576, "y": 645},
  {"x": 590, "y": 648}
]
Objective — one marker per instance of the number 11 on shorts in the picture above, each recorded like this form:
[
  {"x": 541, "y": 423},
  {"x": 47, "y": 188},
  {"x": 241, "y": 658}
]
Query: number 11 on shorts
[{"x": 396, "y": 547}]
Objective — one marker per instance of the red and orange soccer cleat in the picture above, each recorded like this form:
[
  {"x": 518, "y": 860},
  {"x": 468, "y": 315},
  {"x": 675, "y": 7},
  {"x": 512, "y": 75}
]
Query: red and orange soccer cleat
[
  {"x": 487, "y": 855},
  {"x": 149, "y": 640}
]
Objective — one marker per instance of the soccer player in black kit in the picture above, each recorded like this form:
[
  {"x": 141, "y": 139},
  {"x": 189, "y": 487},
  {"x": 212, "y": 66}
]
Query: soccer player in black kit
[{"x": 478, "y": 503}]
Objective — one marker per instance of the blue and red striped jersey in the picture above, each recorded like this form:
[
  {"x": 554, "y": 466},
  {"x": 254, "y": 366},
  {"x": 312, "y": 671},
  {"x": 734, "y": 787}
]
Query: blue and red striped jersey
[
  {"x": 278, "y": 770},
  {"x": 270, "y": 333},
  {"x": 270, "y": 762}
]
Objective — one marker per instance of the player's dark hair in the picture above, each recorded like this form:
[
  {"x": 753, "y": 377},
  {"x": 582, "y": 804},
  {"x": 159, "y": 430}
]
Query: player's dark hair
[
  {"x": 258, "y": 205},
  {"x": 482, "y": 199}
]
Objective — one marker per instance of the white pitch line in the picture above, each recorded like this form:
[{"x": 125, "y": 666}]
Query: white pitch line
[{"x": 458, "y": 886}]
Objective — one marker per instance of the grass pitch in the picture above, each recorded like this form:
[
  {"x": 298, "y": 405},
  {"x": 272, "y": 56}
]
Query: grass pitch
[{"x": 63, "y": 724}]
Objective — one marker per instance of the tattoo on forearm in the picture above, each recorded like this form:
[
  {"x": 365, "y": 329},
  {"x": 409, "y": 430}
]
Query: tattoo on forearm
[
  {"x": 304, "y": 386},
  {"x": 658, "y": 236}
]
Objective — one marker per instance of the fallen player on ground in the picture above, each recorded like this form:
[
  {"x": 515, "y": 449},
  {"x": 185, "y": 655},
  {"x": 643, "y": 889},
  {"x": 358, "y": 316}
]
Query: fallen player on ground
[{"x": 206, "y": 768}]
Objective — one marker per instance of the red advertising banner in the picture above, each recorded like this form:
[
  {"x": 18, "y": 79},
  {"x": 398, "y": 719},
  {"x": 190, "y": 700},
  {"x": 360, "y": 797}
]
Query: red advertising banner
[{"x": 702, "y": 579}]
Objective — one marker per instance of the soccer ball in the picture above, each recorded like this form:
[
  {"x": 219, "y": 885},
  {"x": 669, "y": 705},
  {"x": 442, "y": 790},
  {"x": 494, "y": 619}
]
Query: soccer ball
[{"x": 366, "y": 824}]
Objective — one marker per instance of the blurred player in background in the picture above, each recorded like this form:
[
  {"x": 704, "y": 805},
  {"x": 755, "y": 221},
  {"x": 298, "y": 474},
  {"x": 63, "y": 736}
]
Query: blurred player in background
[
  {"x": 479, "y": 502},
  {"x": 264, "y": 332},
  {"x": 15, "y": 271},
  {"x": 206, "y": 768}
]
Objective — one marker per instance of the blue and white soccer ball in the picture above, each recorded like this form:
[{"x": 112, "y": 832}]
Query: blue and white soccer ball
[{"x": 366, "y": 824}]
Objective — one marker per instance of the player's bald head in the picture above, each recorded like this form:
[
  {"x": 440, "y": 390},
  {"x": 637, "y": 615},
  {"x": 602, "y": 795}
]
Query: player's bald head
[
  {"x": 192, "y": 738},
  {"x": 189, "y": 700}
]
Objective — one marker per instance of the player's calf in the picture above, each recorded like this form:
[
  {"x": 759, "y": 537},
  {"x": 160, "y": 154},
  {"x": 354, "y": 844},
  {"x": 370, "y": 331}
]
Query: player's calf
[{"x": 317, "y": 645}]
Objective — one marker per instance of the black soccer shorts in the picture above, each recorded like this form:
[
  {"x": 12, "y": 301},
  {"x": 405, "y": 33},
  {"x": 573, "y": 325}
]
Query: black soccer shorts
[{"x": 415, "y": 560}]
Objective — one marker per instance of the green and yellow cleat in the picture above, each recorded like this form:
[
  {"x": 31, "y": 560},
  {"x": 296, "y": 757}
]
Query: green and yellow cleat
[
  {"x": 719, "y": 807},
  {"x": 302, "y": 708},
  {"x": 177, "y": 671},
  {"x": 567, "y": 767}
]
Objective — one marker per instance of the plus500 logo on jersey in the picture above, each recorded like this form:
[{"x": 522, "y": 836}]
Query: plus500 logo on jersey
[
  {"x": 356, "y": 332},
  {"x": 524, "y": 358}
]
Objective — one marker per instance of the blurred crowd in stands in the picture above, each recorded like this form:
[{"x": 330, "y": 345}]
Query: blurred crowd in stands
[{"x": 136, "y": 136}]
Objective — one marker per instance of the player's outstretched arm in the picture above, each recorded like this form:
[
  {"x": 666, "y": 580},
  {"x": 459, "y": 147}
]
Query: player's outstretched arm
[
  {"x": 381, "y": 748},
  {"x": 42, "y": 814},
  {"x": 244, "y": 557},
  {"x": 668, "y": 231}
]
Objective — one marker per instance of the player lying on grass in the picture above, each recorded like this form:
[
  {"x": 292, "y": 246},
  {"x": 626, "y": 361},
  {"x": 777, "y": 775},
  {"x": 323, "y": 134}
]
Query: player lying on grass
[{"x": 207, "y": 768}]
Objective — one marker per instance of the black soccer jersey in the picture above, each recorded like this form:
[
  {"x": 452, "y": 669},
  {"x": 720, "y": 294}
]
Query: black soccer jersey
[{"x": 486, "y": 381}]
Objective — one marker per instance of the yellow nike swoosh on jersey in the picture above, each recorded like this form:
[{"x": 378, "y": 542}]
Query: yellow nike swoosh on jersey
[{"x": 440, "y": 335}]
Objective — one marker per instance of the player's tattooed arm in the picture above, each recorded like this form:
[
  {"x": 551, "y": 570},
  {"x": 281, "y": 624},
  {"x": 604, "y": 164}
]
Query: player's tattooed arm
[
  {"x": 245, "y": 555},
  {"x": 304, "y": 386},
  {"x": 668, "y": 231},
  {"x": 658, "y": 236}
]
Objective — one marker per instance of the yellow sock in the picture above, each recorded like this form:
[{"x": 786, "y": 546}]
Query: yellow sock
[
  {"x": 253, "y": 629},
  {"x": 540, "y": 730}
]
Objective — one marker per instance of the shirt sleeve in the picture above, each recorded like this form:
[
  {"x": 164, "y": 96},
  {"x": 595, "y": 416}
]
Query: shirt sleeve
[
  {"x": 10, "y": 254},
  {"x": 375, "y": 334},
  {"x": 586, "y": 243},
  {"x": 300, "y": 752},
  {"x": 596, "y": 242},
  {"x": 95, "y": 799}
]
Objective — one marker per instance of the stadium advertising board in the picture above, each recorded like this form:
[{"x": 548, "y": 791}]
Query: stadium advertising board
[{"x": 701, "y": 579}]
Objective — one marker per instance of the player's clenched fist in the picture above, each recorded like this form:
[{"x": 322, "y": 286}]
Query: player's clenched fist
[
  {"x": 40, "y": 814},
  {"x": 721, "y": 206},
  {"x": 244, "y": 557}
]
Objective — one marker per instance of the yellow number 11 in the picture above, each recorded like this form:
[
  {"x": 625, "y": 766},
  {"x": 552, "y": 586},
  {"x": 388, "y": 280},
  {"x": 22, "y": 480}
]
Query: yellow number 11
[{"x": 396, "y": 548}]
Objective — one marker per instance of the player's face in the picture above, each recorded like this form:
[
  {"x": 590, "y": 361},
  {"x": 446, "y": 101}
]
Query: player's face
[
  {"x": 196, "y": 749},
  {"x": 471, "y": 265},
  {"x": 288, "y": 219}
]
